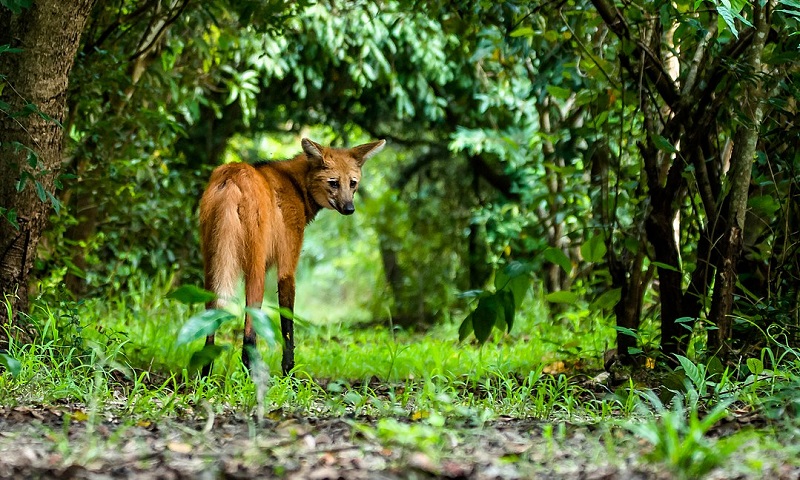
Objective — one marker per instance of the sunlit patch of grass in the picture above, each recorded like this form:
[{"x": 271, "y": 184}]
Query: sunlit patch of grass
[{"x": 99, "y": 352}]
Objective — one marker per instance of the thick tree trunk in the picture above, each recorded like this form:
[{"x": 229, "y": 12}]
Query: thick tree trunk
[
  {"x": 661, "y": 235},
  {"x": 48, "y": 34},
  {"x": 742, "y": 158}
]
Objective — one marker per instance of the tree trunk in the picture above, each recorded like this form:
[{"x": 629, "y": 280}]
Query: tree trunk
[
  {"x": 742, "y": 158},
  {"x": 49, "y": 34}
]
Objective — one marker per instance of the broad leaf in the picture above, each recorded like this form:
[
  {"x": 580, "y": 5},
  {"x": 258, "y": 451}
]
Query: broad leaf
[
  {"x": 692, "y": 371},
  {"x": 627, "y": 331},
  {"x": 556, "y": 256},
  {"x": 262, "y": 324},
  {"x": 559, "y": 92},
  {"x": 755, "y": 366},
  {"x": 509, "y": 272},
  {"x": 730, "y": 12},
  {"x": 202, "y": 325},
  {"x": 515, "y": 278},
  {"x": 663, "y": 144},
  {"x": 506, "y": 299},
  {"x": 607, "y": 299},
  {"x": 465, "y": 329},
  {"x": 11, "y": 364},
  {"x": 764, "y": 205},
  {"x": 485, "y": 316},
  {"x": 205, "y": 356},
  {"x": 686, "y": 322},
  {"x": 562, "y": 296},
  {"x": 189, "y": 294},
  {"x": 522, "y": 32},
  {"x": 519, "y": 287},
  {"x": 594, "y": 248}
]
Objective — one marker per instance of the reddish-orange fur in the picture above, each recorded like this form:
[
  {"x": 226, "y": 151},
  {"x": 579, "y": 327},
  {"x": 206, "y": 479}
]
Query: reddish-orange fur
[{"x": 252, "y": 217}]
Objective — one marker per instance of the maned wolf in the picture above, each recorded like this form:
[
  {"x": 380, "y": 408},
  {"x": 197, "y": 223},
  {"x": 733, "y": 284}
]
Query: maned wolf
[{"x": 253, "y": 217}]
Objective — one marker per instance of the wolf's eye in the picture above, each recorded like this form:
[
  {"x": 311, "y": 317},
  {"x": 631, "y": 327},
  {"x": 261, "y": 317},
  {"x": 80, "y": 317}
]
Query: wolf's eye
[
  {"x": 333, "y": 183},
  {"x": 353, "y": 184}
]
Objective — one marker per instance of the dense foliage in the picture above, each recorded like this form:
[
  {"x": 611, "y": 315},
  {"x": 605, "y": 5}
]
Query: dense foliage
[{"x": 613, "y": 150}]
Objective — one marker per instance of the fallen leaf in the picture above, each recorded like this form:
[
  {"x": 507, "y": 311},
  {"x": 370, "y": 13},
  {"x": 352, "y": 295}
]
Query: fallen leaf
[
  {"x": 555, "y": 368},
  {"x": 179, "y": 447},
  {"x": 420, "y": 461},
  {"x": 79, "y": 416}
]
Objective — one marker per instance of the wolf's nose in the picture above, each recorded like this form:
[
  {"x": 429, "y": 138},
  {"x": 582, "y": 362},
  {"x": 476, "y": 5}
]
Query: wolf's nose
[{"x": 348, "y": 209}]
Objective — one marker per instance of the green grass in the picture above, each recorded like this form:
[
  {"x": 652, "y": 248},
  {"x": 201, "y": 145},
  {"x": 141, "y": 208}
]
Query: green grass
[{"x": 119, "y": 354}]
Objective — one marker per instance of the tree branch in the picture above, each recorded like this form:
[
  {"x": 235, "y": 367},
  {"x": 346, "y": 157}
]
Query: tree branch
[
  {"x": 652, "y": 65},
  {"x": 499, "y": 181}
]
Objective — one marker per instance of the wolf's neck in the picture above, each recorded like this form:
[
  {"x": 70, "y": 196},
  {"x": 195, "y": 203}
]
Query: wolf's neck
[{"x": 296, "y": 171}]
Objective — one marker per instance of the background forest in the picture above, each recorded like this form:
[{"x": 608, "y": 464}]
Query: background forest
[
  {"x": 628, "y": 171},
  {"x": 612, "y": 152}
]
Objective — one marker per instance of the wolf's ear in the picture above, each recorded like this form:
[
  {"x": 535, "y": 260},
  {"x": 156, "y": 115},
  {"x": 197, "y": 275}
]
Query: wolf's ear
[
  {"x": 312, "y": 149},
  {"x": 362, "y": 153}
]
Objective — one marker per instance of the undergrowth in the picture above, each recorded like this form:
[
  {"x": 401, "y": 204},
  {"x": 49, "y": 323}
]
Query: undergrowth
[{"x": 120, "y": 355}]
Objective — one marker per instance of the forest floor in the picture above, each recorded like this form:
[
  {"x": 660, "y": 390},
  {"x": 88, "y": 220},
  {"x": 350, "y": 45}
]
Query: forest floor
[{"x": 64, "y": 441}]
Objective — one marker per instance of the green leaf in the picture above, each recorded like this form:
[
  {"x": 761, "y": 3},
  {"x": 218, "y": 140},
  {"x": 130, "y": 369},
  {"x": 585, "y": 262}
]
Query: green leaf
[
  {"x": 202, "y": 325},
  {"x": 23, "y": 179},
  {"x": 607, "y": 299},
  {"x": 730, "y": 11},
  {"x": 11, "y": 216},
  {"x": 8, "y": 48},
  {"x": 33, "y": 159},
  {"x": 522, "y": 32},
  {"x": 686, "y": 322},
  {"x": 485, "y": 316},
  {"x": 663, "y": 144},
  {"x": 726, "y": 14},
  {"x": 715, "y": 366},
  {"x": 205, "y": 356},
  {"x": 558, "y": 257},
  {"x": 506, "y": 299},
  {"x": 262, "y": 324},
  {"x": 764, "y": 205},
  {"x": 559, "y": 92},
  {"x": 515, "y": 278},
  {"x": 594, "y": 249},
  {"x": 190, "y": 294},
  {"x": 56, "y": 202},
  {"x": 755, "y": 366},
  {"x": 465, "y": 329},
  {"x": 16, "y": 6},
  {"x": 562, "y": 296},
  {"x": 628, "y": 331},
  {"x": 518, "y": 287},
  {"x": 664, "y": 266},
  {"x": 472, "y": 293},
  {"x": 40, "y": 192},
  {"x": 692, "y": 371},
  {"x": 11, "y": 364},
  {"x": 513, "y": 270}
]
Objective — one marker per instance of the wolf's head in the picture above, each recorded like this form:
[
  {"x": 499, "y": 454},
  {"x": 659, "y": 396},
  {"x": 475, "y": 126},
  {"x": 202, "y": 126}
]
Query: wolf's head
[{"x": 336, "y": 172}]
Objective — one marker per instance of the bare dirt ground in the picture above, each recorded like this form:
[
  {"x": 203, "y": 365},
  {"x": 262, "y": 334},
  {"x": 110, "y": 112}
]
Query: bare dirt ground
[{"x": 63, "y": 442}]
